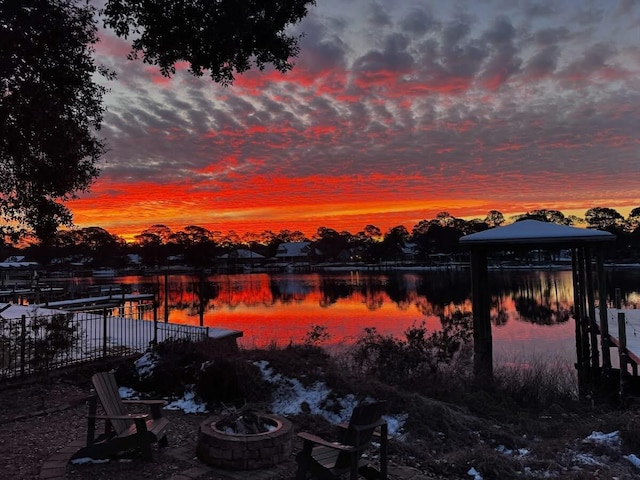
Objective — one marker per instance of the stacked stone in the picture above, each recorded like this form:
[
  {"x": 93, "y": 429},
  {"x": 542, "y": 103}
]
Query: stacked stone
[{"x": 245, "y": 451}]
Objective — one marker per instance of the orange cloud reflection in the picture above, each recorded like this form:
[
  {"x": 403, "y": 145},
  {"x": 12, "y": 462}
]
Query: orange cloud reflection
[{"x": 283, "y": 308}]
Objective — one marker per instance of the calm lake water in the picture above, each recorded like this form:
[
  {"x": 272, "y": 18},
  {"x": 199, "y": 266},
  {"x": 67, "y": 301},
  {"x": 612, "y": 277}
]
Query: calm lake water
[{"x": 531, "y": 312}]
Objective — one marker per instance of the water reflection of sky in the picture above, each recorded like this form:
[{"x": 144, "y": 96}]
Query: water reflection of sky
[{"x": 531, "y": 311}]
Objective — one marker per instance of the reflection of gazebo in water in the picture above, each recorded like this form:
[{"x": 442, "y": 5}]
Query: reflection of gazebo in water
[{"x": 586, "y": 255}]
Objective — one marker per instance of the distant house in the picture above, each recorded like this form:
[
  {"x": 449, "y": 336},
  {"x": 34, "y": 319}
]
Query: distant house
[
  {"x": 293, "y": 252},
  {"x": 244, "y": 254},
  {"x": 14, "y": 259},
  {"x": 409, "y": 252},
  {"x": 241, "y": 259},
  {"x": 134, "y": 259},
  {"x": 15, "y": 271}
]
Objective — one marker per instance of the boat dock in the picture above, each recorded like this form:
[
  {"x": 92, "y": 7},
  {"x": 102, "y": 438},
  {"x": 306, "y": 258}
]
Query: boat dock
[
  {"x": 624, "y": 333},
  {"x": 90, "y": 303}
]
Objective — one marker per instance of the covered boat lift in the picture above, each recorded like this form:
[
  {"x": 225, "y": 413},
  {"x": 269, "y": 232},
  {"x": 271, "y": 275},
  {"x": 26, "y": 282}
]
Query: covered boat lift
[{"x": 586, "y": 253}]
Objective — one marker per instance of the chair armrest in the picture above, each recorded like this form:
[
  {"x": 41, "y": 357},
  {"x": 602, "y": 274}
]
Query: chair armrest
[
  {"x": 309, "y": 437},
  {"x": 131, "y": 416},
  {"x": 370, "y": 426},
  {"x": 145, "y": 402}
]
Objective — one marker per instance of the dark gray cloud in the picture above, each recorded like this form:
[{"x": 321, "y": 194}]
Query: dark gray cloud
[
  {"x": 551, "y": 36},
  {"x": 543, "y": 63},
  {"x": 588, "y": 16},
  {"x": 418, "y": 21},
  {"x": 378, "y": 16},
  {"x": 540, "y": 9},
  {"x": 498, "y": 96},
  {"x": 393, "y": 56}
]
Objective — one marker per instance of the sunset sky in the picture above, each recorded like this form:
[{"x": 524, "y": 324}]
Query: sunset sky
[{"x": 394, "y": 111}]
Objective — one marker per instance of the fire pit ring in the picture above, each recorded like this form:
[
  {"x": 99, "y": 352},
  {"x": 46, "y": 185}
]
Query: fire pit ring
[{"x": 240, "y": 451}]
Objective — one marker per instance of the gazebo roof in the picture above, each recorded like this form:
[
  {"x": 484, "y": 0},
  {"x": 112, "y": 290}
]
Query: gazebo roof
[{"x": 534, "y": 232}]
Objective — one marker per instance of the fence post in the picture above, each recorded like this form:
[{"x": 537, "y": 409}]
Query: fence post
[
  {"x": 166, "y": 297},
  {"x": 104, "y": 332},
  {"x": 23, "y": 342},
  {"x": 622, "y": 352},
  {"x": 155, "y": 322}
]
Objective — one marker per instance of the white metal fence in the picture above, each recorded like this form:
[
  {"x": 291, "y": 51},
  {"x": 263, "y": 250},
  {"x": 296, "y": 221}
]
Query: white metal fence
[{"x": 36, "y": 342}]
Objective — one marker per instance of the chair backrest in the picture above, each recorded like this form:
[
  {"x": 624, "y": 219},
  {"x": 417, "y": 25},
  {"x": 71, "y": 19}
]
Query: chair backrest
[
  {"x": 364, "y": 415},
  {"x": 108, "y": 392}
]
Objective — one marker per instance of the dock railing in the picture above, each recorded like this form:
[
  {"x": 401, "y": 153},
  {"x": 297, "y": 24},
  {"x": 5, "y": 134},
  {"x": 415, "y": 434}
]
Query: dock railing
[{"x": 40, "y": 342}]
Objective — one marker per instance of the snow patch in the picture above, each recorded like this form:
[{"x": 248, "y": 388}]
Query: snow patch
[
  {"x": 86, "y": 460},
  {"x": 607, "y": 439},
  {"x": 128, "y": 393},
  {"x": 472, "y": 472},
  {"x": 633, "y": 458},
  {"x": 188, "y": 403},
  {"x": 146, "y": 364},
  {"x": 292, "y": 397},
  {"x": 518, "y": 453}
]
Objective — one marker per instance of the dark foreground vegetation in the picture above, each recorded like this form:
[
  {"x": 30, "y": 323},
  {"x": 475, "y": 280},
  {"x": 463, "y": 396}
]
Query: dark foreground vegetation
[{"x": 527, "y": 423}]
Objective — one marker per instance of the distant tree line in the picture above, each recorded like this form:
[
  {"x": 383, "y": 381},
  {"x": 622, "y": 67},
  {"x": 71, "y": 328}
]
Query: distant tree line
[{"x": 199, "y": 247}]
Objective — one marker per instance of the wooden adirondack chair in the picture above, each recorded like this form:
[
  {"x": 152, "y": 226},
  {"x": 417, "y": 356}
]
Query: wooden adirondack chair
[
  {"x": 329, "y": 460},
  {"x": 123, "y": 431}
]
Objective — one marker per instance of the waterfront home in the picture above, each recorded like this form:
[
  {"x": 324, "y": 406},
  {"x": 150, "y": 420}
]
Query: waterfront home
[{"x": 293, "y": 252}]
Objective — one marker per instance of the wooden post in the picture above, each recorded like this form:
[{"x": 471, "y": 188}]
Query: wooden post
[
  {"x": 584, "y": 321},
  {"x": 166, "y": 297},
  {"x": 23, "y": 343},
  {"x": 201, "y": 298},
  {"x": 155, "y": 322},
  {"x": 622, "y": 351},
  {"x": 605, "y": 342},
  {"x": 591, "y": 308},
  {"x": 104, "y": 332},
  {"x": 482, "y": 341},
  {"x": 577, "y": 316}
]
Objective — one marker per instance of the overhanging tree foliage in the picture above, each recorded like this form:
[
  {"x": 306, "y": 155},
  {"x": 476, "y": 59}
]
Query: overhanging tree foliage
[
  {"x": 223, "y": 36},
  {"x": 51, "y": 108}
]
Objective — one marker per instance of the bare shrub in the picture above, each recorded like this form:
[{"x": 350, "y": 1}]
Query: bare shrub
[
  {"x": 420, "y": 354},
  {"x": 51, "y": 337},
  {"x": 538, "y": 383},
  {"x": 231, "y": 380}
]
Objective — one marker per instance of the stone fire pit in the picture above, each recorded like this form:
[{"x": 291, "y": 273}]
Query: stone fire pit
[{"x": 222, "y": 445}]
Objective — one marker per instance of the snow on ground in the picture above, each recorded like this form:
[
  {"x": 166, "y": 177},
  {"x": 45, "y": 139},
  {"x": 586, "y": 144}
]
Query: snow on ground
[
  {"x": 188, "y": 403},
  {"x": 292, "y": 397},
  {"x": 145, "y": 364},
  {"x": 519, "y": 453},
  {"x": 474, "y": 473},
  {"x": 128, "y": 393},
  {"x": 83, "y": 460},
  {"x": 605, "y": 439},
  {"x": 610, "y": 441},
  {"x": 291, "y": 394},
  {"x": 633, "y": 458}
]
